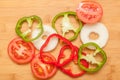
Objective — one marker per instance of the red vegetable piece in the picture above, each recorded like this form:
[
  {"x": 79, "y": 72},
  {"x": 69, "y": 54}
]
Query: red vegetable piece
[
  {"x": 69, "y": 70},
  {"x": 75, "y": 59},
  {"x": 62, "y": 56},
  {"x": 89, "y": 12},
  {"x": 42, "y": 70},
  {"x": 20, "y": 51},
  {"x": 67, "y": 42}
]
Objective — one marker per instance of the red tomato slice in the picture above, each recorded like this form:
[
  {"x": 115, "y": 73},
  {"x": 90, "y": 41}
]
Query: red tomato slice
[
  {"x": 20, "y": 51},
  {"x": 42, "y": 70},
  {"x": 89, "y": 12}
]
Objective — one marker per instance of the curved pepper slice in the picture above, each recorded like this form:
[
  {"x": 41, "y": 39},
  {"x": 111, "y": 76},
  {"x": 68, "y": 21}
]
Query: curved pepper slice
[
  {"x": 29, "y": 20},
  {"x": 61, "y": 54},
  {"x": 69, "y": 70},
  {"x": 67, "y": 25},
  {"x": 91, "y": 57}
]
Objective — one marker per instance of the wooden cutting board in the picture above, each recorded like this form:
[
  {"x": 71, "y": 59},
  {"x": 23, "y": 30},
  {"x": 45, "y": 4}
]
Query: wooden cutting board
[{"x": 12, "y": 10}]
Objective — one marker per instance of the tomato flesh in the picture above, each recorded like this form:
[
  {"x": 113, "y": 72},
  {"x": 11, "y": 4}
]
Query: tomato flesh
[
  {"x": 42, "y": 70},
  {"x": 20, "y": 51},
  {"x": 39, "y": 69},
  {"x": 89, "y": 12}
]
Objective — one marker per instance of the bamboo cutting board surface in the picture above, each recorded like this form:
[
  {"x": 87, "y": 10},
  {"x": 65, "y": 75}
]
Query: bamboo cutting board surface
[{"x": 12, "y": 10}]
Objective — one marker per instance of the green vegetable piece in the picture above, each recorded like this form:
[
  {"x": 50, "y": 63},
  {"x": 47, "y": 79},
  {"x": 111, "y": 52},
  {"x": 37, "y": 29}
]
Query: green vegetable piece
[
  {"x": 67, "y": 25},
  {"x": 90, "y": 58},
  {"x": 24, "y": 35}
]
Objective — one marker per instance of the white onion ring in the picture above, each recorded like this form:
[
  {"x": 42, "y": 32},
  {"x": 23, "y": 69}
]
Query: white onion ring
[
  {"x": 97, "y": 28},
  {"x": 48, "y": 30}
]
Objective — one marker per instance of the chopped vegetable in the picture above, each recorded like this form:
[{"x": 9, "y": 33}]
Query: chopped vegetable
[
  {"x": 91, "y": 57},
  {"x": 42, "y": 70},
  {"x": 48, "y": 30},
  {"x": 67, "y": 25},
  {"x": 69, "y": 70},
  {"x": 89, "y": 12},
  {"x": 97, "y": 28},
  {"x": 20, "y": 51},
  {"x": 25, "y": 35},
  {"x": 61, "y": 53}
]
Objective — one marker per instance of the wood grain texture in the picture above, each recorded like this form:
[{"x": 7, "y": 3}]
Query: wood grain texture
[{"x": 12, "y": 10}]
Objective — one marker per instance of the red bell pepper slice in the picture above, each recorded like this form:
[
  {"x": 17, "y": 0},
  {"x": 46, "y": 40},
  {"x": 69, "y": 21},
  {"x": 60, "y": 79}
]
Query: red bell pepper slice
[
  {"x": 61, "y": 54},
  {"x": 69, "y": 71},
  {"x": 75, "y": 59},
  {"x": 73, "y": 56}
]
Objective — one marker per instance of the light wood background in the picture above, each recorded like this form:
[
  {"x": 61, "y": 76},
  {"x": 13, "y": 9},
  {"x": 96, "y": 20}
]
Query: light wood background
[{"x": 12, "y": 10}]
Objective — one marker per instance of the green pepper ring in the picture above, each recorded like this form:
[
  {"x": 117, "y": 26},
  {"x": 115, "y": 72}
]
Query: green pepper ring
[
  {"x": 101, "y": 63},
  {"x": 22, "y": 20},
  {"x": 69, "y": 13}
]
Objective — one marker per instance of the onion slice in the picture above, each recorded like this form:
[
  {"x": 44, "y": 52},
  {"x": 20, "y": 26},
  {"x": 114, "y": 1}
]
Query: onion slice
[
  {"x": 97, "y": 28},
  {"x": 48, "y": 30}
]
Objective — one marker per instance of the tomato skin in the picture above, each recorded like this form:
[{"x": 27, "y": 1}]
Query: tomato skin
[
  {"x": 42, "y": 70},
  {"x": 21, "y": 52},
  {"x": 89, "y": 12}
]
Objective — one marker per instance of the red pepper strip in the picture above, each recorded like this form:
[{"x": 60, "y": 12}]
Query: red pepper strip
[
  {"x": 61, "y": 56},
  {"x": 69, "y": 72},
  {"x": 75, "y": 59},
  {"x": 67, "y": 42}
]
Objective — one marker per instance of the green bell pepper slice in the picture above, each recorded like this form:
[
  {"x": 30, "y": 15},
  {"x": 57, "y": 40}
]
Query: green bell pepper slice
[
  {"x": 91, "y": 57},
  {"x": 67, "y": 25},
  {"x": 29, "y": 20}
]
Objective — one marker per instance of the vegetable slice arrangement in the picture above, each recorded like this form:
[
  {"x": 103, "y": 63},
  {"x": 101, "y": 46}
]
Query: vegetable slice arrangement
[
  {"x": 61, "y": 52},
  {"x": 45, "y": 38}
]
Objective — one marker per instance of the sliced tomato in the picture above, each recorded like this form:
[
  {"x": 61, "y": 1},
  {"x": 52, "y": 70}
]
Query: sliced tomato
[
  {"x": 42, "y": 70},
  {"x": 20, "y": 51},
  {"x": 89, "y": 12}
]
